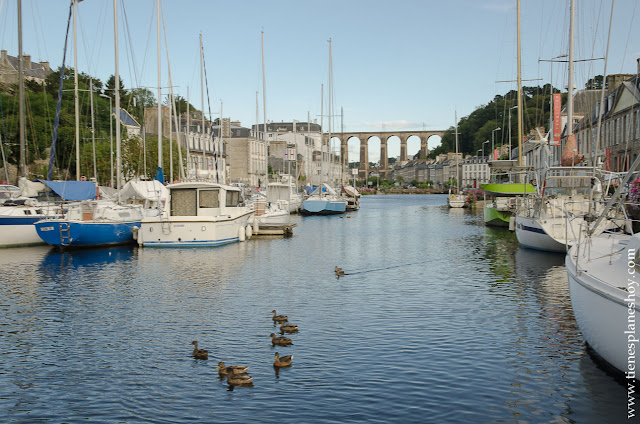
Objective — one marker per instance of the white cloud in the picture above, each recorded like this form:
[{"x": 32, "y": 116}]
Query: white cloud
[{"x": 393, "y": 125}]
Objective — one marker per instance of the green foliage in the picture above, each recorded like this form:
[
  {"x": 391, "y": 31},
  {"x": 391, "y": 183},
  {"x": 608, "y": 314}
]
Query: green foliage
[{"x": 475, "y": 129}]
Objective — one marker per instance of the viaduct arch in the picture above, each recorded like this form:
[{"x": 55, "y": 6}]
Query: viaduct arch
[{"x": 384, "y": 136}]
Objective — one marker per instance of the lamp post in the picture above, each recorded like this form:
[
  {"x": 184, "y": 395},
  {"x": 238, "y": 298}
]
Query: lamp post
[
  {"x": 510, "y": 109},
  {"x": 479, "y": 150},
  {"x": 110, "y": 133},
  {"x": 492, "y": 147},
  {"x": 483, "y": 147}
]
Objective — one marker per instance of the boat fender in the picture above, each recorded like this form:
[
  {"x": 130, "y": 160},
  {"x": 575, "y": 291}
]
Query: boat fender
[
  {"x": 512, "y": 223},
  {"x": 241, "y": 234},
  {"x": 249, "y": 231},
  {"x": 256, "y": 226},
  {"x": 134, "y": 230}
]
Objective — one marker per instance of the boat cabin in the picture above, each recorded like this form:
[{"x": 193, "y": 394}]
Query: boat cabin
[{"x": 203, "y": 199}]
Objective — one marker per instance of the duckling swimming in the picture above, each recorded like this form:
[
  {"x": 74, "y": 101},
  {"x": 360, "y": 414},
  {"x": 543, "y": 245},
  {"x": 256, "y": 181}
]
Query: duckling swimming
[
  {"x": 288, "y": 328},
  {"x": 279, "y": 318},
  {"x": 282, "y": 361},
  {"x": 280, "y": 341},
  {"x": 239, "y": 379},
  {"x": 199, "y": 353}
]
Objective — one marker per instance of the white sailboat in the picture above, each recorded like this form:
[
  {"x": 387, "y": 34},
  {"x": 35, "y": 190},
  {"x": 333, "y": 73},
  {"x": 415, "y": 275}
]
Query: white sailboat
[
  {"x": 324, "y": 200},
  {"x": 556, "y": 218},
  {"x": 456, "y": 200},
  {"x": 270, "y": 216}
]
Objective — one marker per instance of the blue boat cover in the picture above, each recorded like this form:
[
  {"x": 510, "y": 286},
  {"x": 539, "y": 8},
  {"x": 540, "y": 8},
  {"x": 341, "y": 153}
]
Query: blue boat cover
[{"x": 73, "y": 190}]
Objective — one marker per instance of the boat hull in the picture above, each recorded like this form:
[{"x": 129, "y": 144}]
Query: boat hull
[
  {"x": 508, "y": 189},
  {"x": 495, "y": 218},
  {"x": 530, "y": 234},
  {"x": 15, "y": 232},
  {"x": 195, "y": 232},
  {"x": 63, "y": 233},
  {"x": 602, "y": 314},
  {"x": 323, "y": 207}
]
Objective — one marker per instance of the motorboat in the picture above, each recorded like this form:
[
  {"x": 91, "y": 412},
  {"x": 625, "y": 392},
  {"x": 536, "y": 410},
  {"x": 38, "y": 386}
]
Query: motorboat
[{"x": 198, "y": 214}]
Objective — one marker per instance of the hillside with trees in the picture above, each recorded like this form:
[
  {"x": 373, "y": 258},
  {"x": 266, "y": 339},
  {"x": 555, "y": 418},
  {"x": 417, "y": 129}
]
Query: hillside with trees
[
  {"x": 40, "y": 109},
  {"x": 475, "y": 129}
]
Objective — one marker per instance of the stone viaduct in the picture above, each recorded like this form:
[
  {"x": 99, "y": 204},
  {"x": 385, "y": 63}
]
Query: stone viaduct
[{"x": 384, "y": 137}]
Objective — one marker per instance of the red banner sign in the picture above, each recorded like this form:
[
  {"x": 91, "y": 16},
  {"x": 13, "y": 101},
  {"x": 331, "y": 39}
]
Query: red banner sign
[
  {"x": 607, "y": 161},
  {"x": 557, "y": 107},
  {"x": 495, "y": 154}
]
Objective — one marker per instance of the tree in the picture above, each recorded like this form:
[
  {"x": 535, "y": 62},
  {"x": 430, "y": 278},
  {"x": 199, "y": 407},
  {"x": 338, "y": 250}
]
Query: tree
[
  {"x": 110, "y": 88},
  {"x": 595, "y": 83}
]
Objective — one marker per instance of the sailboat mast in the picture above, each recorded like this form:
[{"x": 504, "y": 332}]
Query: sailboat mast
[
  {"x": 321, "y": 158},
  {"x": 457, "y": 179},
  {"x": 570, "y": 90},
  {"x": 204, "y": 149},
  {"x": 117, "y": 90},
  {"x": 520, "y": 135},
  {"x": 23, "y": 159},
  {"x": 264, "y": 112},
  {"x": 329, "y": 126},
  {"x": 159, "y": 93},
  {"x": 75, "y": 90},
  {"x": 93, "y": 132},
  {"x": 186, "y": 135}
]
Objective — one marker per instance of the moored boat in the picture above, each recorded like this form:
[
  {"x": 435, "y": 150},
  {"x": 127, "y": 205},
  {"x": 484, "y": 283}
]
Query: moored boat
[
  {"x": 198, "y": 214},
  {"x": 321, "y": 203},
  {"x": 603, "y": 296}
]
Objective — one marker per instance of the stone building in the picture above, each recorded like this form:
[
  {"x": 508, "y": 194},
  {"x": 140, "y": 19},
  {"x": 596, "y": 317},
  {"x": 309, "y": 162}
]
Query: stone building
[
  {"x": 619, "y": 141},
  {"x": 33, "y": 71}
]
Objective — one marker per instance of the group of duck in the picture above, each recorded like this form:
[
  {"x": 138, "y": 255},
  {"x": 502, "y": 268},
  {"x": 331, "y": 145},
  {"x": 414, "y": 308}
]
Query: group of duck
[
  {"x": 237, "y": 375},
  {"x": 285, "y": 327}
]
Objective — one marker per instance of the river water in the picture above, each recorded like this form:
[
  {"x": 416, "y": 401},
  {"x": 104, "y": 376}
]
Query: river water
[{"x": 440, "y": 319}]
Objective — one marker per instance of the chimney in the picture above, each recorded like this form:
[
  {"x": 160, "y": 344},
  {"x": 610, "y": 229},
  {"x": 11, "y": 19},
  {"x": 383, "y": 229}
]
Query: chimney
[
  {"x": 47, "y": 68},
  {"x": 4, "y": 56},
  {"x": 637, "y": 61},
  {"x": 26, "y": 60}
]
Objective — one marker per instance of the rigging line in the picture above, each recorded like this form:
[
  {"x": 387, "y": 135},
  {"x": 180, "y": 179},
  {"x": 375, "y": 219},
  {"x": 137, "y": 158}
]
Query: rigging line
[
  {"x": 633, "y": 15},
  {"x": 52, "y": 154},
  {"x": 206, "y": 81},
  {"x": 35, "y": 30},
  {"x": 130, "y": 49}
]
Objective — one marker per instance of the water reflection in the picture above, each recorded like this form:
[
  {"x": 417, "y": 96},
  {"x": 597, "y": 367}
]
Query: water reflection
[{"x": 449, "y": 310}]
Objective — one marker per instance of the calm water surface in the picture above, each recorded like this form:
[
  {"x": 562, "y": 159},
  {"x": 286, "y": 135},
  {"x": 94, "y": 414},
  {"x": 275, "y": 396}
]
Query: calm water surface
[{"x": 441, "y": 320}]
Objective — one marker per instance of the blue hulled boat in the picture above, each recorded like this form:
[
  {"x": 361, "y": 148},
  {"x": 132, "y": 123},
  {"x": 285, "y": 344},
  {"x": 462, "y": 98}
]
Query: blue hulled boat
[{"x": 323, "y": 201}]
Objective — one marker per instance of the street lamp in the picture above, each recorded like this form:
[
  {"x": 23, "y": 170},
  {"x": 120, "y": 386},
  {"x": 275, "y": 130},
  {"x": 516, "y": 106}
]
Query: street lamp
[
  {"x": 483, "y": 147},
  {"x": 510, "y": 109},
  {"x": 110, "y": 133},
  {"x": 492, "y": 147},
  {"x": 479, "y": 150}
]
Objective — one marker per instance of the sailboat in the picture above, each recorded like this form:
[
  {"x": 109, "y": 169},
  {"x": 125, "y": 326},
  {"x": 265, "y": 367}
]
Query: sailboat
[
  {"x": 456, "y": 200},
  {"x": 97, "y": 222},
  {"x": 271, "y": 217},
  {"x": 19, "y": 209},
  {"x": 324, "y": 200},
  {"x": 557, "y": 217}
]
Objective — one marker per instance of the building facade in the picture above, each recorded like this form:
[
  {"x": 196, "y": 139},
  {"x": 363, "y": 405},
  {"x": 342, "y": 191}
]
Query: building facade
[{"x": 33, "y": 71}]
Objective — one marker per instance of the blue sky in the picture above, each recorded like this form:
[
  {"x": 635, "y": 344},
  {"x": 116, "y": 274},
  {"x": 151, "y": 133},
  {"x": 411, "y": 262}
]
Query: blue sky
[{"x": 407, "y": 64}]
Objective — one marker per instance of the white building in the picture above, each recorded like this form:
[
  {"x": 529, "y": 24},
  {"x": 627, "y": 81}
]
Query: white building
[
  {"x": 301, "y": 143},
  {"x": 475, "y": 171}
]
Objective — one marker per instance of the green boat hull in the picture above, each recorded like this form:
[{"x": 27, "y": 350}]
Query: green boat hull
[
  {"x": 508, "y": 189},
  {"x": 496, "y": 218}
]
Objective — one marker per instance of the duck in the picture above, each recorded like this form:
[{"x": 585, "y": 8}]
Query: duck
[
  {"x": 339, "y": 271},
  {"x": 282, "y": 361},
  {"x": 232, "y": 369},
  {"x": 288, "y": 328},
  {"x": 199, "y": 353},
  {"x": 281, "y": 341},
  {"x": 279, "y": 318},
  {"x": 239, "y": 379}
]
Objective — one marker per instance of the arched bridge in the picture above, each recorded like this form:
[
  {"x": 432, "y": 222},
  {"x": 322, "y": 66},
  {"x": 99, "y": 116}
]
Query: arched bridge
[{"x": 384, "y": 137}]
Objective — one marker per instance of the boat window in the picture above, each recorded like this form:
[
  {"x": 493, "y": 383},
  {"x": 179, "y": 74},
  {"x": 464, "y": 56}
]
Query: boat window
[
  {"x": 183, "y": 202},
  {"x": 233, "y": 198},
  {"x": 27, "y": 212},
  {"x": 209, "y": 199}
]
